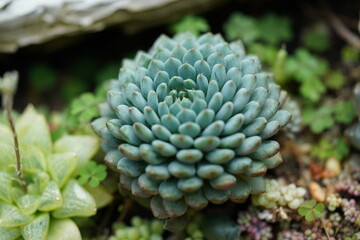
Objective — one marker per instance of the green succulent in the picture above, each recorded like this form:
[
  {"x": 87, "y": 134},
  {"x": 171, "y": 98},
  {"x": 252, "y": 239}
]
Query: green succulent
[
  {"x": 189, "y": 123},
  {"x": 53, "y": 195},
  {"x": 279, "y": 194},
  {"x": 140, "y": 229},
  {"x": 353, "y": 132},
  {"x": 295, "y": 125}
]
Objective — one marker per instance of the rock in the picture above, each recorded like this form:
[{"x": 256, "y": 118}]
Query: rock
[
  {"x": 317, "y": 192},
  {"x": 333, "y": 165}
]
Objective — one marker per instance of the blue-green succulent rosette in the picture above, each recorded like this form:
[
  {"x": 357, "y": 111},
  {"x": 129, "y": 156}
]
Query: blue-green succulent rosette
[{"x": 188, "y": 123}]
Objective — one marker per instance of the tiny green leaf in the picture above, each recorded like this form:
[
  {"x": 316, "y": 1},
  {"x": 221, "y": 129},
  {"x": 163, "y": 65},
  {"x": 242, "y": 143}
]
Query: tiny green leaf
[
  {"x": 92, "y": 173},
  {"x": 311, "y": 210}
]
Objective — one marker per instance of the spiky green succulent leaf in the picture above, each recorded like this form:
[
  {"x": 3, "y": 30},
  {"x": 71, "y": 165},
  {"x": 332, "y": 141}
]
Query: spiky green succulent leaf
[
  {"x": 49, "y": 171},
  {"x": 63, "y": 229}
]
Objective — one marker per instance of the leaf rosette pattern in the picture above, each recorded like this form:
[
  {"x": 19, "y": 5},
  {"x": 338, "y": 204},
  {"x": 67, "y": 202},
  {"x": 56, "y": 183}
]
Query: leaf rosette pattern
[{"x": 189, "y": 123}]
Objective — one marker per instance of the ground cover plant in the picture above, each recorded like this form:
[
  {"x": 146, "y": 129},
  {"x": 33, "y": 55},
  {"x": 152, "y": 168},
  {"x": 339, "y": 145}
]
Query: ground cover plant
[{"x": 250, "y": 133}]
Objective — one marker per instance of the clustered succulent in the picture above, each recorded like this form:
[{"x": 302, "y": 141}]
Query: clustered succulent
[
  {"x": 349, "y": 185},
  {"x": 351, "y": 212},
  {"x": 140, "y": 229},
  {"x": 292, "y": 235},
  {"x": 189, "y": 123},
  {"x": 279, "y": 194},
  {"x": 315, "y": 234},
  {"x": 53, "y": 195},
  {"x": 194, "y": 231},
  {"x": 254, "y": 227},
  {"x": 333, "y": 202},
  {"x": 296, "y": 123}
]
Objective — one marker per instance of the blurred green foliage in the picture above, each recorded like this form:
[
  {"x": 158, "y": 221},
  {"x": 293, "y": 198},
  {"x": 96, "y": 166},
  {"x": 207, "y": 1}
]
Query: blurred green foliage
[
  {"x": 316, "y": 38},
  {"x": 240, "y": 26},
  {"x": 303, "y": 72},
  {"x": 43, "y": 77},
  {"x": 109, "y": 71},
  {"x": 325, "y": 116},
  {"x": 140, "y": 229},
  {"x": 271, "y": 29},
  {"x": 83, "y": 109},
  {"x": 83, "y": 76},
  {"x": 318, "y": 119},
  {"x": 190, "y": 23},
  {"x": 354, "y": 237},
  {"x": 344, "y": 112},
  {"x": 307, "y": 70},
  {"x": 275, "y": 29},
  {"x": 325, "y": 149},
  {"x": 350, "y": 54},
  {"x": 334, "y": 80}
]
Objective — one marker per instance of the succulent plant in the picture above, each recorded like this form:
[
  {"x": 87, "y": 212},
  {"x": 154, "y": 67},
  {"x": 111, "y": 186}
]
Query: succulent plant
[
  {"x": 279, "y": 194},
  {"x": 189, "y": 123},
  {"x": 351, "y": 212},
  {"x": 53, "y": 195},
  {"x": 292, "y": 235},
  {"x": 353, "y": 132},
  {"x": 295, "y": 125},
  {"x": 254, "y": 227},
  {"x": 140, "y": 229}
]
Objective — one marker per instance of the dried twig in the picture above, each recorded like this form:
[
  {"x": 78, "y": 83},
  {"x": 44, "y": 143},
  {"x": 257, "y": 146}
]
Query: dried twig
[
  {"x": 342, "y": 30},
  {"x": 325, "y": 229},
  {"x": 127, "y": 205},
  {"x": 8, "y": 85},
  {"x": 334, "y": 21}
]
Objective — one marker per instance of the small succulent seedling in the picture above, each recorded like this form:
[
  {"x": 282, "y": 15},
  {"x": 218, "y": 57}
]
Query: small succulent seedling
[
  {"x": 311, "y": 210},
  {"x": 354, "y": 237},
  {"x": 189, "y": 123}
]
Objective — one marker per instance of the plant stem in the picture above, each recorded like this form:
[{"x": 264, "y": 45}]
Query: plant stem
[
  {"x": 127, "y": 205},
  {"x": 17, "y": 151},
  {"x": 325, "y": 229},
  {"x": 343, "y": 31},
  {"x": 8, "y": 88}
]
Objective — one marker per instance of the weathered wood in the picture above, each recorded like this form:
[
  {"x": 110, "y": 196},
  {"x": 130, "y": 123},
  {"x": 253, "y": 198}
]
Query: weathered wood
[{"x": 26, "y": 22}]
